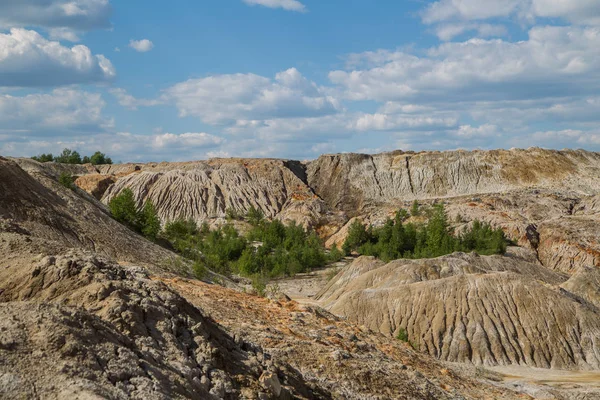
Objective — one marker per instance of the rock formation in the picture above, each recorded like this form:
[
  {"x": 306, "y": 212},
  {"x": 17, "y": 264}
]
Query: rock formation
[{"x": 487, "y": 310}]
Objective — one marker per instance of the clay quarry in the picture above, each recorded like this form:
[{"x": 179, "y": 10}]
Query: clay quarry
[{"x": 92, "y": 309}]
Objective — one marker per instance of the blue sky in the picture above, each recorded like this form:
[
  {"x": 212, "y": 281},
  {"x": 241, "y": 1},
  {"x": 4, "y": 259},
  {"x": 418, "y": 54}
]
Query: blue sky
[{"x": 151, "y": 81}]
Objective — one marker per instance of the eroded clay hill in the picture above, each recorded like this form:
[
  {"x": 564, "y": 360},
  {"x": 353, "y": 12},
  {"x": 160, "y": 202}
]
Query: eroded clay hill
[
  {"x": 352, "y": 182},
  {"x": 74, "y": 323},
  {"x": 486, "y": 310}
]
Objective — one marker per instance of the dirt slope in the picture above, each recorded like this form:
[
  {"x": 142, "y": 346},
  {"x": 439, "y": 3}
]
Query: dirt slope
[{"x": 467, "y": 308}]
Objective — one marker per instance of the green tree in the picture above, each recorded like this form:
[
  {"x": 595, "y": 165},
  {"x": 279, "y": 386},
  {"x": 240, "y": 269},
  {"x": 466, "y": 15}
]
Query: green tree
[
  {"x": 414, "y": 209},
  {"x": 66, "y": 179},
  {"x": 68, "y": 156},
  {"x": 357, "y": 236},
  {"x": 255, "y": 216},
  {"x": 43, "y": 158},
  {"x": 99, "y": 158},
  {"x": 150, "y": 221},
  {"x": 123, "y": 209}
]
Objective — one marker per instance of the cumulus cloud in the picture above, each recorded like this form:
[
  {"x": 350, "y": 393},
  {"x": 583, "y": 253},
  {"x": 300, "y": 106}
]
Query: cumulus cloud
[
  {"x": 141, "y": 46},
  {"x": 64, "y": 111},
  {"x": 225, "y": 99},
  {"x": 584, "y": 12},
  {"x": 290, "y": 5},
  {"x": 185, "y": 140},
  {"x": 131, "y": 102},
  {"x": 448, "y": 32},
  {"x": 554, "y": 61},
  {"x": 63, "y": 18},
  {"x": 28, "y": 59}
]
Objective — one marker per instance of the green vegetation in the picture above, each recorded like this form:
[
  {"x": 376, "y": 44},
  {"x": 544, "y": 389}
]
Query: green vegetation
[
  {"x": 268, "y": 250},
  {"x": 66, "y": 179},
  {"x": 145, "y": 221},
  {"x": 69, "y": 156},
  {"x": 395, "y": 239},
  {"x": 402, "y": 335}
]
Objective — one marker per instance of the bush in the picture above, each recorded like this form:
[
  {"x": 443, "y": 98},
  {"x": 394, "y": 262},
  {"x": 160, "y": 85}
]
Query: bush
[
  {"x": 398, "y": 240},
  {"x": 255, "y": 216},
  {"x": 66, "y": 179},
  {"x": 402, "y": 335},
  {"x": 335, "y": 254},
  {"x": 123, "y": 209},
  {"x": 414, "y": 209},
  {"x": 43, "y": 158},
  {"x": 357, "y": 236},
  {"x": 99, "y": 158},
  {"x": 150, "y": 223},
  {"x": 68, "y": 156}
]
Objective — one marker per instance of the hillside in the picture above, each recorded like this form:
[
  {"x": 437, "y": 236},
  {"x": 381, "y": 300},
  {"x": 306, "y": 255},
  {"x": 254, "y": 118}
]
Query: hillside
[{"x": 90, "y": 308}]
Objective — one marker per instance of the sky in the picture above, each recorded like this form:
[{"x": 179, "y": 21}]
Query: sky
[{"x": 187, "y": 79}]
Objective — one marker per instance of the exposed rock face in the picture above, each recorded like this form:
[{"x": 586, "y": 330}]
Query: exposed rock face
[
  {"x": 51, "y": 215},
  {"x": 75, "y": 325},
  {"x": 96, "y": 184},
  {"x": 351, "y": 182},
  {"x": 468, "y": 308},
  {"x": 206, "y": 190}
]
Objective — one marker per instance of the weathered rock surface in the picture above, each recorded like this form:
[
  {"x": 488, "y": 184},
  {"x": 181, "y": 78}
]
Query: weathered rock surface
[
  {"x": 52, "y": 215},
  {"x": 463, "y": 307},
  {"x": 351, "y": 182},
  {"x": 206, "y": 190},
  {"x": 78, "y": 326},
  {"x": 95, "y": 184},
  {"x": 74, "y": 324}
]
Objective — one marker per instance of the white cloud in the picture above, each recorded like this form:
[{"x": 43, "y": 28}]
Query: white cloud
[
  {"x": 225, "y": 99},
  {"x": 384, "y": 122},
  {"x": 290, "y": 5},
  {"x": 27, "y": 59},
  {"x": 63, "y": 111},
  {"x": 131, "y": 102},
  {"x": 584, "y": 12},
  {"x": 554, "y": 61},
  {"x": 79, "y": 15},
  {"x": 141, "y": 46},
  {"x": 63, "y": 34},
  {"x": 185, "y": 140},
  {"x": 448, "y": 32},
  {"x": 483, "y": 131}
]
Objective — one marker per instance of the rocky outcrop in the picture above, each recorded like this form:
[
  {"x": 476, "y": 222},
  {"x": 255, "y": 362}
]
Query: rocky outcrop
[
  {"x": 352, "y": 182},
  {"x": 96, "y": 184},
  {"x": 569, "y": 243},
  {"x": 207, "y": 190},
  {"x": 468, "y": 308},
  {"x": 76, "y": 326},
  {"x": 59, "y": 218}
]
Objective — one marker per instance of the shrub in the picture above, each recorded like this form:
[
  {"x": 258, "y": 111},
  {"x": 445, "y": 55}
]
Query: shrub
[
  {"x": 335, "y": 254},
  {"x": 255, "y": 216},
  {"x": 396, "y": 240},
  {"x": 123, "y": 209},
  {"x": 259, "y": 284},
  {"x": 150, "y": 223},
  {"x": 357, "y": 236},
  {"x": 68, "y": 156},
  {"x": 402, "y": 335},
  {"x": 43, "y": 158},
  {"x": 99, "y": 158},
  {"x": 66, "y": 179},
  {"x": 414, "y": 209}
]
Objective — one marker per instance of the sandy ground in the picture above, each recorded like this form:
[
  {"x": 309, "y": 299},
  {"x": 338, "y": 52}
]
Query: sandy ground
[
  {"x": 303, "y": 287},
  {"x": 554, "y": 378}
]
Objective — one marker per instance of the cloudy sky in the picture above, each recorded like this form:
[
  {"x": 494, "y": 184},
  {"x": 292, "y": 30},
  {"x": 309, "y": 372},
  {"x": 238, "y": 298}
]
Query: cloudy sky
[{"x": 144, "y": 81}]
